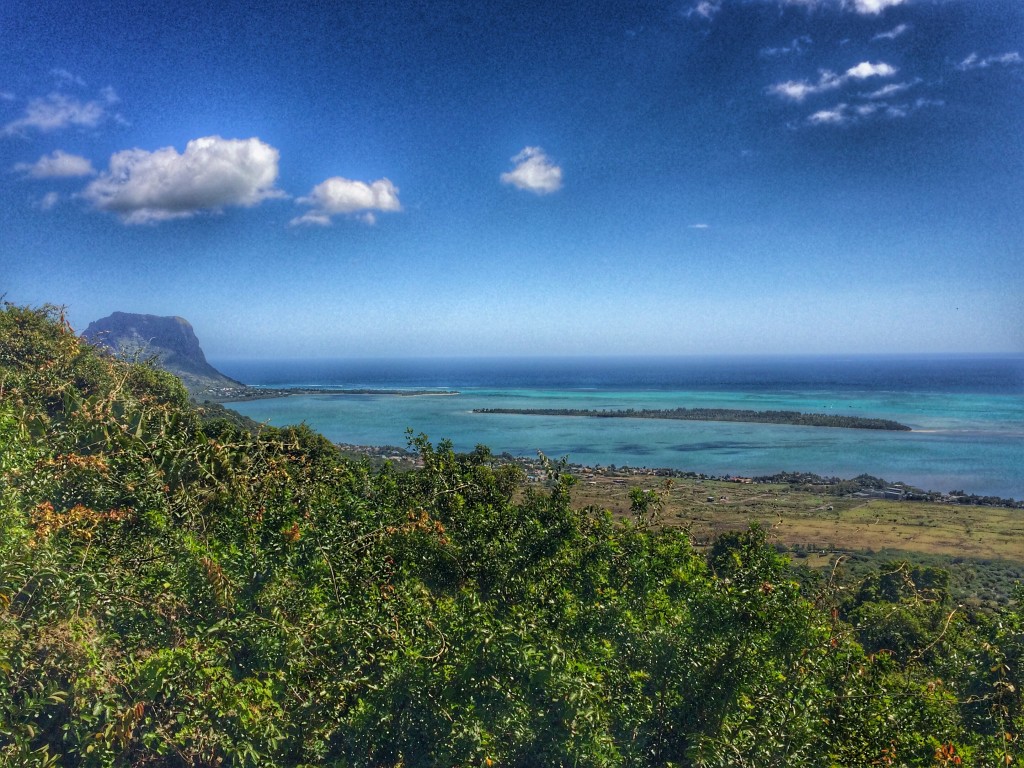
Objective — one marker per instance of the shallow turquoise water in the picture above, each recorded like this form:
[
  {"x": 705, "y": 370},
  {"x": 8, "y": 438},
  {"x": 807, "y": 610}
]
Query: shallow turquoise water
[{"x": 970, "y": 441}]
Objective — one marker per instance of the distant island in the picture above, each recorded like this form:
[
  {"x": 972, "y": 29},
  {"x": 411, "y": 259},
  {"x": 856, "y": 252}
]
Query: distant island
[{"x": 714, "y": 414}]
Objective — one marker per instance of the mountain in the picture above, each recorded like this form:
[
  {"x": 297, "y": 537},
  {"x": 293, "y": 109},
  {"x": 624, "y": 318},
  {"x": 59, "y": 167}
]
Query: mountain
[{"x": 171, "y": 341}]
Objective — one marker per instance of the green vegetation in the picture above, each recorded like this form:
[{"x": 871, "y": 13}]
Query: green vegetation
[
  {"x": 713, "y": 414},
  {"x": 175, "y": 592}
]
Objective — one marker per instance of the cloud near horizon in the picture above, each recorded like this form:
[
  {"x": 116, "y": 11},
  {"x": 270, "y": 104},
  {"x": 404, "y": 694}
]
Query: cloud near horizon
[
  {"x": 57, "y": 165},
  {"x": 212, "y": 173},
  {"x": 340, "y": 196},
  {"x": 534, "y": 172}
]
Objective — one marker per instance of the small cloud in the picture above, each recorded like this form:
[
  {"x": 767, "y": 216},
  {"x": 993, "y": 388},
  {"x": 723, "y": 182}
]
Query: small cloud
[
  {"x": 212, "y": 173},
  {"x": 705, "y": 9},
  {"x": 974, "y": 62},
  {"x": 798, "y": 90},
  {"x": 897, "y": 31},
  {"x": 48, "y": 201},
  {"x": 700, "y": 226},
  {"x": 58, "y": 164},
  {"x": 873, "y": 7},
  {"x": 838, "y": 115},
  {"x": 7, "y": 96},
  {"x": 867, "y": 69},
  {"x": 534, "y": 172},
  {"x": 65, "y": 78},
  {"x": 892, "y": 89},
  {"x": 51, "y": 113},
  {"x": 797, "y": 46},
  {"x": 340, "y": 196},
  {"x": 845, "y": 114}
]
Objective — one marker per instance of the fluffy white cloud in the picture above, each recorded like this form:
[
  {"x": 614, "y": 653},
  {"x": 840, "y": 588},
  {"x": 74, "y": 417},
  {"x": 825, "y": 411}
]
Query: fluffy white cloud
[
  {"x": 534, "y": 172},
  {"x": 835, "y": 116},
  {"x": 56, "y": 111},
  {"x": 873, "y": 7},
  {"x": 144, "y": 187},
  {"x": 867, "y": 69},
  {"x": 58, "y": 164},
  {"x": 975, "y": 62},
  {"x": 798, "y": 90},
  {"x": 338, "y": 195}
]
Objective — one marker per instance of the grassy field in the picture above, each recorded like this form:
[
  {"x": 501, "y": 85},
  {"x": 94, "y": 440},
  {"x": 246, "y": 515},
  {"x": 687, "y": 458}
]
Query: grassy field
[{"x": 983, "y": 547}]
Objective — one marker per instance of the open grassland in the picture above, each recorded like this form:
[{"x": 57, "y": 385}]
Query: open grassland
[
  {"x": 981, "y": 547},
  {"x": 803, "y": 520}
]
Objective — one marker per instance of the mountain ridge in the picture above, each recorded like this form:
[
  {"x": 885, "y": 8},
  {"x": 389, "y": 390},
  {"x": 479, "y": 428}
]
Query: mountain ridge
[{"x": 170, "y": 341}]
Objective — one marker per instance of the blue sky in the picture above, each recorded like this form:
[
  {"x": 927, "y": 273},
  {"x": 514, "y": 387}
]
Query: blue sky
[{"x": 521, "y": 178}]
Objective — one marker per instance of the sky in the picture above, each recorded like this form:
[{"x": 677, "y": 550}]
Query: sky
[{"x": 671, "y": 177}]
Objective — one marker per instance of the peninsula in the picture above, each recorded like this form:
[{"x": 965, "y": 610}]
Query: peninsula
[{"x": 713, "y": 414}]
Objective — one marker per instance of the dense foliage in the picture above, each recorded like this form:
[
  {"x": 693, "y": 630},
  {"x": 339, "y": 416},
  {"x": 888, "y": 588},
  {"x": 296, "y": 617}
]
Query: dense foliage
[{"x": 180, "y": 592}]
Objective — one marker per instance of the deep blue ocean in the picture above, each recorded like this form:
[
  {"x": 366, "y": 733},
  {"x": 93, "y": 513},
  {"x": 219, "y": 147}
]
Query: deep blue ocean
[{"x": 966, "y": 412}]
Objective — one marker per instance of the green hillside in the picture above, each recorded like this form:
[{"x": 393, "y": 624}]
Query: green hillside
[{"x": 177, "y": 591}]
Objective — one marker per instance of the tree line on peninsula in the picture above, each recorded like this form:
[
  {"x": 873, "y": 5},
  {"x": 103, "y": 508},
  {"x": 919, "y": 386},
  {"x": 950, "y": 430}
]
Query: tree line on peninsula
[{"x": 712, "y": 414}]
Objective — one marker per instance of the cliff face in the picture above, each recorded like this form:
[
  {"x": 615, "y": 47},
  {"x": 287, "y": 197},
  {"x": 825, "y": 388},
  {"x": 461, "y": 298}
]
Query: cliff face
[{"x": 170, "y": 339}]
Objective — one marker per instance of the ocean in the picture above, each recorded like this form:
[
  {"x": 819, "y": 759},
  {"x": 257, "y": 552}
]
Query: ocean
[{"x": 966, "y": 412}]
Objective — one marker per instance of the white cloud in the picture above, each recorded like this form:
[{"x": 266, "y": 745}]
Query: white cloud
[
  {"x": 873, "y": 7},
  {"x": 65, "y": 78},
  {"x": 58, "y": 164},
  {"x": 892, "y": 89},
  {"x": 866, "y": 69},
  {"x": 798, "y": 90},
  {"x": 844, "y": 114},
  {"x": 974, "y": 62},
  {"x": 534, "y": 172},
  {"x": 338, "y": 195},
  {"x": 700, "y": 226},
  {"x": 706, "y": 9},
  {"x": 835, "y": 116},
  {"x": 892, "y": 34},
  {"x": 48, "y": 201},
  {"x": 145, "y": 187},
  {"x": 56, "y": 111}
]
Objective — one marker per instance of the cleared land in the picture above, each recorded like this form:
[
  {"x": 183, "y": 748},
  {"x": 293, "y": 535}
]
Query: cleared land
[{"x": 982, "y": 547}]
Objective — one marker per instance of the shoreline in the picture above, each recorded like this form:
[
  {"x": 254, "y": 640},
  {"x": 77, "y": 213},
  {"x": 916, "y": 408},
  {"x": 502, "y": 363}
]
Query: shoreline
[{"x": 863, "y": 486}]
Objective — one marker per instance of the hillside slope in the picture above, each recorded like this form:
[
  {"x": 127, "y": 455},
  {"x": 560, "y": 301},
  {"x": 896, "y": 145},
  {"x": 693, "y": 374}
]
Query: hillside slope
[{"x": 178, "y": 593}]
